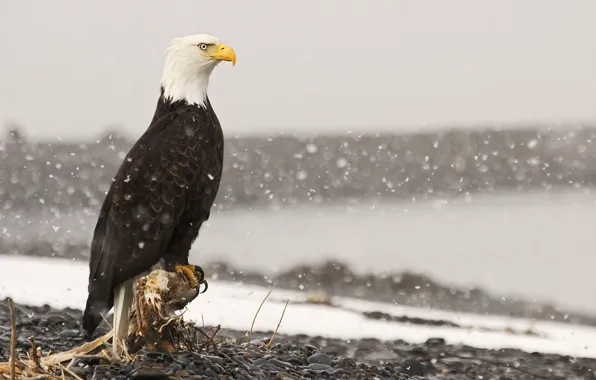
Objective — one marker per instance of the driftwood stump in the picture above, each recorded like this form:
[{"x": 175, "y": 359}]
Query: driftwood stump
[{"x": 159, "y": 295}]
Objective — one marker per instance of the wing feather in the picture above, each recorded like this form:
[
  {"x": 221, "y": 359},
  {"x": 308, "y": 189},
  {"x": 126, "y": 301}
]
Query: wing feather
[
  {"x": 147, "y": 198},
  {"x": 154, "y": 186}
]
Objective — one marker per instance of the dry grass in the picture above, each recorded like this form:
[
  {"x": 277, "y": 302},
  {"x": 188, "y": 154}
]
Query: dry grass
[
  {"x": 189, "y": 337},
  {"x": 58, "y": 366},
  {"x": 257, "y": 313},
  {"x": 52, "y": 367},
  {"x": 278, "y": 324},
  {"x": 13, "y": 339}
]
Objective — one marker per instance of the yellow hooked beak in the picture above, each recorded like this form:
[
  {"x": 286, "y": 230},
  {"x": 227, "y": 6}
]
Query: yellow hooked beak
[{"x": 223, "y": 52}]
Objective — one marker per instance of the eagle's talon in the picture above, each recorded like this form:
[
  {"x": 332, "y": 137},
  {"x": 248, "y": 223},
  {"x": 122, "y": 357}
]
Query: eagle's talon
[
  {"x": 206, "y": 287},
  {"x": 194, "y": 275},
  {"x": 188, "y": 272},
  {"x": 200, "y": 270},
  {"x": 202, "y": 280}
]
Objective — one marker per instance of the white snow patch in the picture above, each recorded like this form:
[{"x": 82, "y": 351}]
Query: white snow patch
[{"x": 62, "y": 283}]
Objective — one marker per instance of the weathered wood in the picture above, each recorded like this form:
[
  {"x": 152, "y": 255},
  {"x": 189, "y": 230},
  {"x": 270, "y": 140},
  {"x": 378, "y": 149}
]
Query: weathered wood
[{"x": 159, "y": 295}]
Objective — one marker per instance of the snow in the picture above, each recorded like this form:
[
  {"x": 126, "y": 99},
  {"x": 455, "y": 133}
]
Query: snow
[{"x": 63, "y": 283}]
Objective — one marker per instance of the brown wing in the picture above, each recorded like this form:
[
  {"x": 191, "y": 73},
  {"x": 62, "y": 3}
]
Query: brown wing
[{"x": 141, "y": 210}]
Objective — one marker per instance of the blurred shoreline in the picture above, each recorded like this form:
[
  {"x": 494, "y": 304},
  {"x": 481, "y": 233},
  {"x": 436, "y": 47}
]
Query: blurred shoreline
[{"x": 288, "y": 170}]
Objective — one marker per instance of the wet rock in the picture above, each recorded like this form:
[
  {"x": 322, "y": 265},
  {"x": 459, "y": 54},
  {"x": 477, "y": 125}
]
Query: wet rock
[
  {"x": 319, "y": 358},
  {"x": 213, "y": 359},
  {"x": 146, "y": 373},
  {"x": 319, "y": 367},
  {"x": 261, "y": 361},
  {"x": 381, "y": 355},
  {"x": 280, "y": 364},
  {"x": 302, "y": 356},
  {"x": 435, "y": 342},
  {"x": 70, "y": 333},
  {"x": 413, "y": 368}
]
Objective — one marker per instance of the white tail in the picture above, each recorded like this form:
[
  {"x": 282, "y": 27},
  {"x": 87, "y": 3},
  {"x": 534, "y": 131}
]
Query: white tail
[
  {"x": 123, "y": 299},
  {"x": 124, "y": 296}
]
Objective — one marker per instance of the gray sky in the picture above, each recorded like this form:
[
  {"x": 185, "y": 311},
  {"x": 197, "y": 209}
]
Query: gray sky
[{"x": 69, "y": 67}]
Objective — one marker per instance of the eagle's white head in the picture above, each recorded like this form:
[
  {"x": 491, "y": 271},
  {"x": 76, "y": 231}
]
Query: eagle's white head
[{"x": 189, "y": 63}]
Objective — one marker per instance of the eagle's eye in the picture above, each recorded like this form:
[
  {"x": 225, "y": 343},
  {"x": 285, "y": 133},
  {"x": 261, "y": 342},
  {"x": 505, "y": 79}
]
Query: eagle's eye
[{"x": 202, "y": 46}]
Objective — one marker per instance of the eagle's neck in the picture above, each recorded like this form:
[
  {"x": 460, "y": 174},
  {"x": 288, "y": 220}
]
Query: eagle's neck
[
  {"x": 166, "y": 105},
  {"x": 184, "y": 81}
]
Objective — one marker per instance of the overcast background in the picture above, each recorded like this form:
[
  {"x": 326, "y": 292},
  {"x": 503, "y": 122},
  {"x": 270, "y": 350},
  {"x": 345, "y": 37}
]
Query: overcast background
[{"x": 68, "y": 68}]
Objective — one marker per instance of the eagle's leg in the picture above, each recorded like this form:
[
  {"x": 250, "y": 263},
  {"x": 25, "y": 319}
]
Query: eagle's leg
[
  {"x": 194, "y": 275},
  {"x": 188, "y": 272}
]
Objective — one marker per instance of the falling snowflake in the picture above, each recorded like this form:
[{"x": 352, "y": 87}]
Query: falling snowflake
[
  {"x": 532, "y": 143},
  {"x": 301, "y": 175}
]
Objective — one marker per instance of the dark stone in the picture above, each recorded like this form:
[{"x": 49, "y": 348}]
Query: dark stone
[
  {"x": 279, "y": 363},
  {"x": 146, "y": 373},
  {"x": 213, "y": 359},
  {"x": 320, "y": 367},
  {"x": 290, "y": 357},
  {"x": 294, "y": 361},
  {"x": 260, "y": 361},
  {"x": 160, "y": 357},
  {"x": 320, "y": 358},
  {"x": 69, "y": 334},
  {"x": 419, "y": 350},
  {"x": 347, "y": 363},
  {"x": 413, "y": 368},
  {"x": 435, "y": 342},
  {"x": 340, "y": 372}
]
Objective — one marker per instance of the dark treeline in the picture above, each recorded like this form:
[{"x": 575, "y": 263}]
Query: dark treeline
[{"x": 262, "y": 171}]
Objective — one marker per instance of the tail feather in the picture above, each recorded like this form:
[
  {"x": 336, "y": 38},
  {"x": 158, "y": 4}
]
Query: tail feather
[
  {"x": 95, "y": 310},
  {"x": 123, "y": 300},
  {"x": 124, "y": 295}
]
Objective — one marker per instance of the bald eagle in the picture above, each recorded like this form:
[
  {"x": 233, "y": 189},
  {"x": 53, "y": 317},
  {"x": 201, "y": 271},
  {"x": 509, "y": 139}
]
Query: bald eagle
[{"x": 164, "y": 188}]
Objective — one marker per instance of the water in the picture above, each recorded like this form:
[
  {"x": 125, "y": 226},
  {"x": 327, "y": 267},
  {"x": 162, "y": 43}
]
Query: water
[
  {"x": 537, "y": 245},
  {"x": 533, "y": 245}
]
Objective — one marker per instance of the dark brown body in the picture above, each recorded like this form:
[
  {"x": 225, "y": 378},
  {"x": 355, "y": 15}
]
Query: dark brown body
[{"x": 156, "y": 204}]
